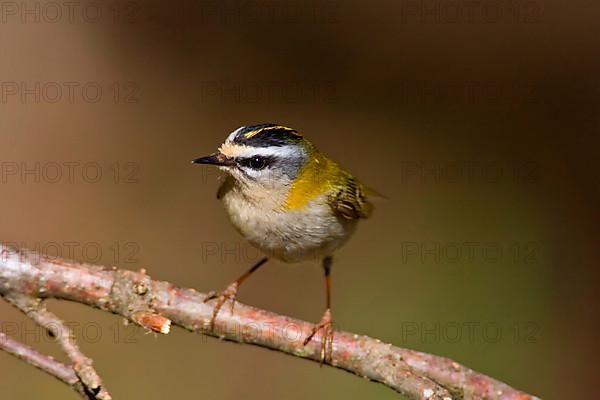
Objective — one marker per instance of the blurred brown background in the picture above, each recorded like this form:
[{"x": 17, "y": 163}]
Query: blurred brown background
[{"x": 477, "y": 120}]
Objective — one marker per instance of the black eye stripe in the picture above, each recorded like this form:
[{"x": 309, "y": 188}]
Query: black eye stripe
[{"x": 256, "y": 162}]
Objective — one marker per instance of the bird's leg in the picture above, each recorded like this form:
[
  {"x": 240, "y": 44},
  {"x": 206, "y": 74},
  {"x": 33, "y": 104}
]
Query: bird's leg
[
  {"x": 230, "y": 292},
  {"x": 326, "y": 323}
]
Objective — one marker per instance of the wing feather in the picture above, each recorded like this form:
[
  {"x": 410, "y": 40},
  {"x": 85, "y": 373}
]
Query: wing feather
[{"x": 350, "y": 201}]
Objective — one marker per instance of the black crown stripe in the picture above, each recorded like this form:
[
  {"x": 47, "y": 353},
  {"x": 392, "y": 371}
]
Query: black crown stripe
[{"x": 266, "y": 135}]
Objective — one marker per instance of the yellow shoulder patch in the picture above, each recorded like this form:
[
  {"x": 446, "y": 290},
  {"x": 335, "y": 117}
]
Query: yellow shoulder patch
[{"x": 318, "y": 176}]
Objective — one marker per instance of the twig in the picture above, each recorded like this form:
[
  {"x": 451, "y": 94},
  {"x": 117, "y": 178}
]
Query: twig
[
  {"x": 154, "y": 304},
  {"x": 46, "y": 363},
  {"x": 82, "y": 365}
]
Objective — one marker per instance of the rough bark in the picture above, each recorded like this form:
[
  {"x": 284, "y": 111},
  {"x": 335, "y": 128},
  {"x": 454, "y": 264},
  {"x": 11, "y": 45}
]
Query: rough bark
[{"x": 154, "y": 305}]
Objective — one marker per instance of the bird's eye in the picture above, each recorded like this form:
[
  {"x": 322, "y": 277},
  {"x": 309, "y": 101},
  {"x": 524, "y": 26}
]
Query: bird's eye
[{"x": 256, "y": 162}]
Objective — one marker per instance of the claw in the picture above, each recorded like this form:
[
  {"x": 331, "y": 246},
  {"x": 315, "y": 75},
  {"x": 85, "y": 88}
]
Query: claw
[
  {"x": 229, "y": 293},
  {"x": 326, "y": 325}
]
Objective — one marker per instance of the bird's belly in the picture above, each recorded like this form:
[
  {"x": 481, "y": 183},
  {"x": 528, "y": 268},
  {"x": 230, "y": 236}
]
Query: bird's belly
[{"x": 307, "y": 234}]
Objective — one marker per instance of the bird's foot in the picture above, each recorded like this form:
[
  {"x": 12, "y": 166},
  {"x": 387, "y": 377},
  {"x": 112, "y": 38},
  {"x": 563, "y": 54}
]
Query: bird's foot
[
  {"x": 325, "y": 325},
  {"x": 230, "y": 293}
]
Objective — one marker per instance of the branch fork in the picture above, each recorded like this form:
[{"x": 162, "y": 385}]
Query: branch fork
[{"x": 26, "y": 279}]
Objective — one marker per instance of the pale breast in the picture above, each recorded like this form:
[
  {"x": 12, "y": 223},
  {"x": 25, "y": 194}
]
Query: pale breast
[{"x": 310, "y": 233}]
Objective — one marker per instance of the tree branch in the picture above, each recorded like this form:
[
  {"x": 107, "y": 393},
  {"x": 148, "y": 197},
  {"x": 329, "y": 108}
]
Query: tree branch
[
  {"x": 46, "y": 363},
  {"x": 82, "y": 365},
  {"x": 155, "y": 304}
]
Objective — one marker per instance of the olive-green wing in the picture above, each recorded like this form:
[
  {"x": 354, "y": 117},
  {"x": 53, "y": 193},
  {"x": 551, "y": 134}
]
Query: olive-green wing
[{"x": 350, "y": 200}]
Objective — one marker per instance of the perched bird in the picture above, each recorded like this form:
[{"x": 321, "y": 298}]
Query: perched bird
[{"x": 289, "y": 200}]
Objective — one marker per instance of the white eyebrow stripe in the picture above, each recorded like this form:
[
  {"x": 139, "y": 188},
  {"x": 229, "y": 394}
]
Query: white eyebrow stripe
[
  {"x": 238, "y": 150},
  {"x": 279, "y": 151}
]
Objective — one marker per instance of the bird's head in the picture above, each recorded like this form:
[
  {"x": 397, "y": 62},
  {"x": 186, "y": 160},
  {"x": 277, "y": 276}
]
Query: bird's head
[{"x": 268, "y": 156}]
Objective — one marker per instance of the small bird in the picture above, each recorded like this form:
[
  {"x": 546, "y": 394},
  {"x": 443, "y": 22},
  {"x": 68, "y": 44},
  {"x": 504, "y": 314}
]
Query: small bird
[{"x": 288, "y": 200}]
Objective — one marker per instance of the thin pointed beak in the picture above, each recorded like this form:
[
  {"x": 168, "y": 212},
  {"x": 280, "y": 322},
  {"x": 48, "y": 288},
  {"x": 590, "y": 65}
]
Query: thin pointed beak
[{"x": 214, "y": 159}]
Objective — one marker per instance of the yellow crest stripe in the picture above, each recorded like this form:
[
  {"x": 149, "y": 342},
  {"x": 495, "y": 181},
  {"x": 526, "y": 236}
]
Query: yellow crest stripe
[
  {"x": 252, "y": 133},
  {"x": 280, "y": 127}
]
